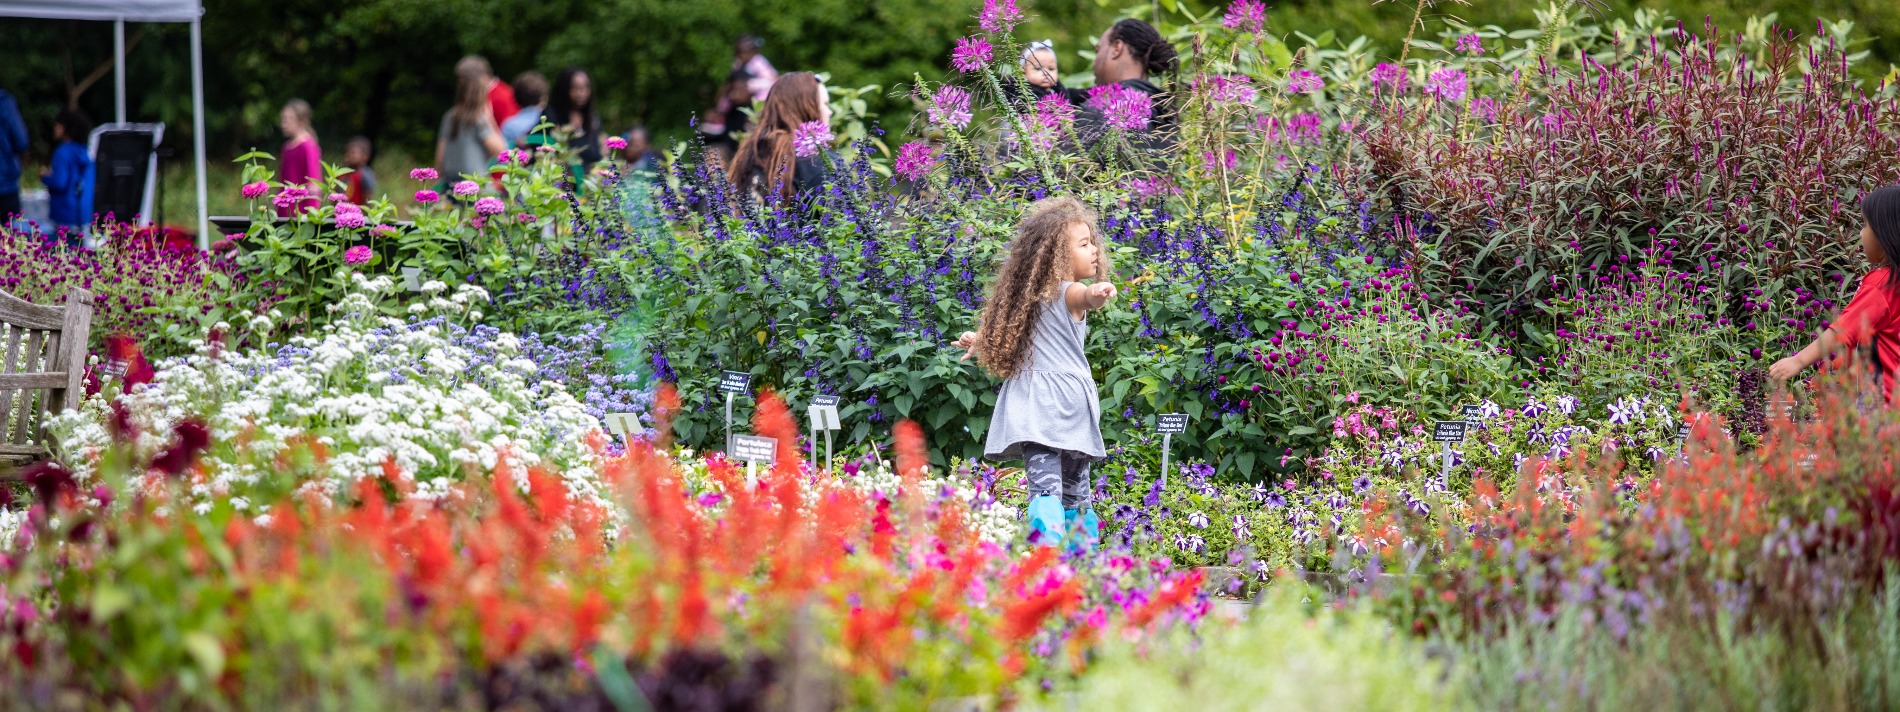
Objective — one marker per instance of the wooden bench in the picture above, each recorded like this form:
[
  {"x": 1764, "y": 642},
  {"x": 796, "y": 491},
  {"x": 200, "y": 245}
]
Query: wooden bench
[{"x": 42, "y": 365}]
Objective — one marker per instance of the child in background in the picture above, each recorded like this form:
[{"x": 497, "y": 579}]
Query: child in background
[
  {"x": 360, "y": 182},
  {"x": 1031, "y": 334},
  {"x": 531, "y": 89},
  {"x": 69, "y": 180},
  {"x": 1871, "y": 320}
]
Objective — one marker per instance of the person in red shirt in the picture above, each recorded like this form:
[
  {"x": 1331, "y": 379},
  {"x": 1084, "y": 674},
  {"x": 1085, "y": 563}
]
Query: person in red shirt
[
  {"x": 501, "y": 96},
  {"x": 1869, "y": 328}
]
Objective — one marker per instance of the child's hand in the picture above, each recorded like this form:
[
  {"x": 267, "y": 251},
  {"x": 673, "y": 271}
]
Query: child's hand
[
  {"x": 1101, "y": 292},
  {"x": 967, "y": 342}
]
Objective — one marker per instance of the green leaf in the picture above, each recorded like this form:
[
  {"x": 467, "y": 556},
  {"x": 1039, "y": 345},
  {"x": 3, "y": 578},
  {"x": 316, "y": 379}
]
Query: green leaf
[
  {"x": 108, "y": 601},
  {"x": 207, "y": 651}
]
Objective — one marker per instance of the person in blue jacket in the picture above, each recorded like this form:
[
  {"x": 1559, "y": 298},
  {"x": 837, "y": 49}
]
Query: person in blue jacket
[
  {"x": 12, "y": 154},
  {"x": 69, "y": 183}
]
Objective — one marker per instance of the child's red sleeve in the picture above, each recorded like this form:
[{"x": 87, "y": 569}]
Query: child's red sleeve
[{"x": 1867, "y": 309}]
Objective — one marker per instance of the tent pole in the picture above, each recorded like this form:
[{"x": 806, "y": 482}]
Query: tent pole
[
  {"x": 198, "y": 126},
  {"x": 118, "y": 68}
]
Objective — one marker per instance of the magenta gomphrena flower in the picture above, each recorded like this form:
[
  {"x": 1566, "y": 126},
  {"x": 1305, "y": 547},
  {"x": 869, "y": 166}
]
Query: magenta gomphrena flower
[
  {"x": 358, "y": 255},
  {"x": 999, "y": 16},
  {"x": 914, "y": 160},
  {"x": 1303, "y": 81},
  {"x": 1230, "y": 88},
  {"x": 1471, "y": 44},
  {"x": 1447, "y": 84},
  {"x": 490, "y": 205},
  {"x": 616, "y": 143},
  {"x": 1122, "y": 108},
  {"x": 427, "y": 196},
  {"x": 1249, "y": 15},
  {"x": 423, "y": 174},
  {"x": 1486, "y": 108},
  {"x": 253, "y": 191},
  {"x": 524, "y": 218},
  {"x": 971, "y": 55},
  {"x": 465, "y": 188},
  {"x": 1388, "y": 74},
  {"x": 950, "y": 106},
  {"x": 810, "y": 138}
]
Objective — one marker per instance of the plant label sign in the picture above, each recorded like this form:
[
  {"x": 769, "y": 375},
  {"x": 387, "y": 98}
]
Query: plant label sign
[
  {"x": 1171, "y": 423},
  {"x": 753, "y": 448},
  {"x": 734, "y": 382},
  {"x": 1472, "y": 413},
  {"x": 620, "y": 424},
  {"x": 823, "y": 417},
  {"x": 412, "y": 278},
  {"x": 824, "y": 399},
  {"x": 1448, "y": 431}
]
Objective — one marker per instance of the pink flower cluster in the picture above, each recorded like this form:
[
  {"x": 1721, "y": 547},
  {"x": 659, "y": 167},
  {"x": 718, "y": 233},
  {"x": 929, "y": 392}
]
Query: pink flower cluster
[
  {"x": 1229, "y": 88},
  {"x": 810, "y": 138},
  {"x": 490, "y": 205},
  {"x": 971, "y": 55},
  {"x": 423, "y": 174},
  {"x": 1303, "y": 81},
  {"x": 289, "y": 197},
  {"x": 1249, "y": 15},
  {"x": 1213, "y": 164},
  {"x": 1387, "y": 74},
  {"x": 914, "y": 160},
  {"x": 1447, "y": 84},
  {"x": 1123, "y": 108},
  {"x": 999, "y": 16},
  {"x": 950, "y": 107},
  {"x": 1304, "y": 127},
  {"x": 465, "y": 189},
  {"x": 357, "y": 256},
  {"x": 253, "y": 191},
  {"x": 1471, "y": 44},
  {"x": 1150, "y": 187},
  {"x": 350, "y": 216},
  {"x": 616, "y": 143}
]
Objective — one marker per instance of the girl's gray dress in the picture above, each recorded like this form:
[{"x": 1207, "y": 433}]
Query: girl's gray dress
[{"x": 1052, "y": 401}]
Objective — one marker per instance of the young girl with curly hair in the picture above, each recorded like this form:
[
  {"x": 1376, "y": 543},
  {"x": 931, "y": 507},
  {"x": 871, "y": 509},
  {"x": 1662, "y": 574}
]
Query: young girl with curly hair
[{"x": 1031, "y": 335}]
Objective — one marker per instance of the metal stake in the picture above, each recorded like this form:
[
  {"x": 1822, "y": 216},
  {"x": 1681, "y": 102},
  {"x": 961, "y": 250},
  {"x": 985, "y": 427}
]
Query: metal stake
[
  {"x": 728, "y": 422},
  {"x": 1166, "y": 440},
  {"x": 1447, "y": 468},
  {"x": 827, "y": 451}
]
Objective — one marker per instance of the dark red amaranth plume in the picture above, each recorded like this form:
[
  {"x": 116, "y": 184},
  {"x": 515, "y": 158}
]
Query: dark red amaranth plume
[
  {"x": 124, "y": 352},
  {"x": 193, "y": 437}
]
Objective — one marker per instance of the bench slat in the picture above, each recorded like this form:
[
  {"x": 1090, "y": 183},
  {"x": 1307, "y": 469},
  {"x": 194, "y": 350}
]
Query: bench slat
[
  {"x": 20, "y": 312},
  {"x": 22, "y": 381}
]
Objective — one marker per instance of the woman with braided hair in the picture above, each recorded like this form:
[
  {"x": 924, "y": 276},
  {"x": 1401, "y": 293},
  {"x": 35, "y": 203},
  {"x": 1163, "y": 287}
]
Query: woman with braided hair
[
  {"x": 1031, "y": 335},
  {"x": 1130, "y": 54}
]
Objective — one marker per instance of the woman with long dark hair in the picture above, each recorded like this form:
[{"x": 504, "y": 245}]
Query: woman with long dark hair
[
  {"x": 767, "y": 163},
  {"x": 469, "y": 137},
  {"x": 571, "y": 110},
  {"x": 1869, "y": 328}
]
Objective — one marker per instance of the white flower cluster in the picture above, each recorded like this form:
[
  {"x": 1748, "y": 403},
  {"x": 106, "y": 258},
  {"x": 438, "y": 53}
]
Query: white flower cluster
[
  {"x": 370, "y": 389},
  {"x": 993, "y": 521}
]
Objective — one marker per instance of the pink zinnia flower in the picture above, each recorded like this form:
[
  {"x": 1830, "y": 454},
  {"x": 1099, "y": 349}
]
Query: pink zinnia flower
[
  {"x": 810, "y": 138},
  {"x": 358, "y": 255},
  {"x": 1123, "y": 108},
  {"x": 466, "y": 188},
  {"x": 427, "y": 196},
  {"x": 914, "y": 160},
  {"x": 383, "y": 231},
  {"x": 999, "y": 16},
  {"x": 336, "y": 197},
  {"x": 1447, "y": 84},
  {"x": 1303, "y": 81},
  {"x": 253, "y": 191},
  {"x": 350, "y": 219},
  {"x": 1471, "y": 44},
  {"x": 490, "y": 206},
  {"x": 616, "y": 143},
  {"x": 1249, "y": 15},
  {"x": 1388, "y": 74},
  {"x": 423, "y": 174},
  {"x": 506, "y": 156},
  {"x": 971, "y": 54},
  {"x": 950, "y": 107}
]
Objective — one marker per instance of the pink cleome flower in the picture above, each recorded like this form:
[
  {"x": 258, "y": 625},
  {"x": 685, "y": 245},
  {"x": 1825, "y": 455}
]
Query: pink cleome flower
[
  {"x": 1303, "y": 81},
  {"x": 1471, "y": 44},
  {"x": 999, "y": 16},
  {"x": 810, "y": 138},
  {"x": 971, "y": 55},
  {"x": 1388, "y": 74},
  {"x": 1229, "y": 88},
  {"x": 1249, "y": 15},
  {"x": 1447, "y": 84},
  {"x": 1123, "y": 108},
  {"x": 914, "y": 160},
  {"x": 358, "y": 255},
  {"x": 950, "y": 106}
]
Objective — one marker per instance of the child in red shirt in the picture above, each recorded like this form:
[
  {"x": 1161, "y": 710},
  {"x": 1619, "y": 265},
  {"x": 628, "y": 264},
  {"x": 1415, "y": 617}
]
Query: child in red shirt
[{"x": 1872, "y": 318}]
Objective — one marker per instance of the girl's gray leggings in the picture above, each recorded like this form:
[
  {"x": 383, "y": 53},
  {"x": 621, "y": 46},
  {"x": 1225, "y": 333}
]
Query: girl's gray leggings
[{"x": 1051, "y": 471}]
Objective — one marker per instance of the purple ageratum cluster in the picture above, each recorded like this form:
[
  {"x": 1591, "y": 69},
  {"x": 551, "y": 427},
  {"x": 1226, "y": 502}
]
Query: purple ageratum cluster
[
  {"x": 972, "y": 54},
  {"x": 357, "y": 256},
  {"x": 914, "y": 160},
  {"x": 999, "y": 16},
  {"x": 811, "y": 138},
  {"x": 1470, "y": 44},
  {"x": 1248, "y": 15},
  {"x": 950, "y": 107},
  {"x": 1122, "y": 108},
  {"x": 1447, "y": 84},
  {"x": 1303, "y": 81}
]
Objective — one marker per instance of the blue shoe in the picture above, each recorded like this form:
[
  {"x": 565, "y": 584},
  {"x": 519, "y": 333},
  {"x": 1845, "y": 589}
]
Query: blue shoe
[
  {"x": 1045, "y": 520},
  {"x": 1082, "y": 529},
  {"x": 1091, "y": 530}
]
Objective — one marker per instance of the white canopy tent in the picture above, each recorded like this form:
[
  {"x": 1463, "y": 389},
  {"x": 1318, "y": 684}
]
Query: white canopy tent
[{"x": 121, "y": 12}]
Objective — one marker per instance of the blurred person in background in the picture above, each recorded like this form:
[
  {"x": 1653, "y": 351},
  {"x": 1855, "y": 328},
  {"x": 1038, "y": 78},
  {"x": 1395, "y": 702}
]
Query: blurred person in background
[
  {"x": 301, "y": 162},
  {"x": 69, "y": 181},
  {"x": 12, "y": 155},
  {"x": 468, "y": 137},
  {"x": 531, "y": 89}
]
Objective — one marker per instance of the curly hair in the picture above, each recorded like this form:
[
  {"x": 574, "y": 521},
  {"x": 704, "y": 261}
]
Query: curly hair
[{"x": 1037, "y": 264}]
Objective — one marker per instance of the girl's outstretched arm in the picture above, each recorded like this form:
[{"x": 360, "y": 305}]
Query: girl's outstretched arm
[
  {"x": 1088, "y": 298},
  {"x": 967, "y": 342},
  {"x": 1792, "y": 366}
]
